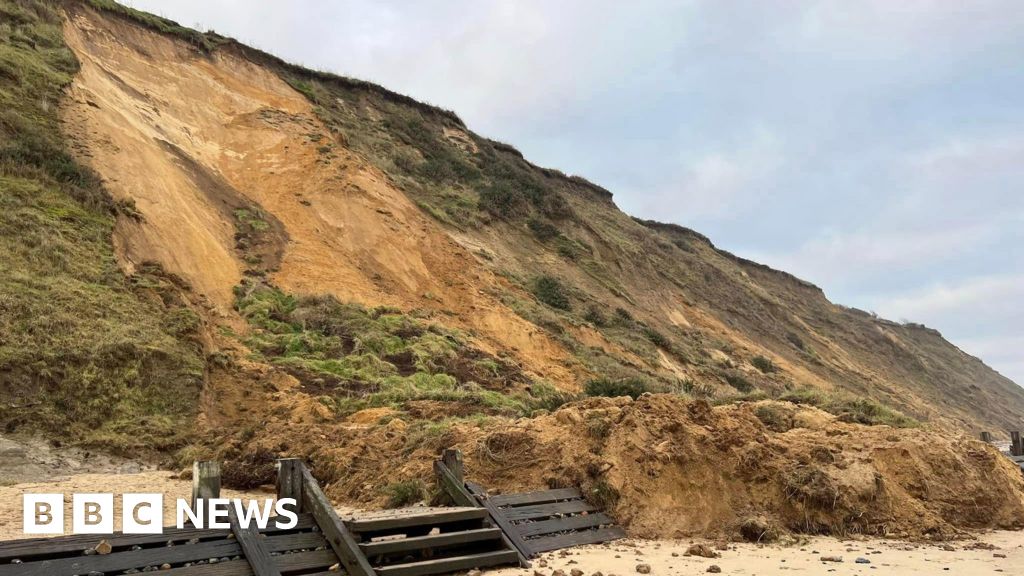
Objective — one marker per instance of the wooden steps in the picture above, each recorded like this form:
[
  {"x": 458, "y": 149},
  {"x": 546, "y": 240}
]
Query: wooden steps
[
  {"x": 434, "y": 518},
  {"x": 415, "y": 542},
  {"x": 531, "y": 522},
  {"x": 433, "y": 541},
  {"x": 446, "y": 565}
]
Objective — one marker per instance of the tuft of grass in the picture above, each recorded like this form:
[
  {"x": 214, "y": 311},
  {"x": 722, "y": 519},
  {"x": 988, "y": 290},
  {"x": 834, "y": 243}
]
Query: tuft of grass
[
  {"x": 739, "y": 382},
  {"x": 656, "y": 338},
  {"x": 405, "y": 493},
  {"x": 776, "y": 418},
  {"x": 765, "y": 365},
  {"x": 603, "y": 495},
  {"x": 552, "y": 292},
  {"x": 632, "y": 387},
  {"x": 852, "y": 409}
]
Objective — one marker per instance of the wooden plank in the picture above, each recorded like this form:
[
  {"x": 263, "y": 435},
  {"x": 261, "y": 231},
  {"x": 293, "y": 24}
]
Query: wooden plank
[
  {"x": 252, "y": 547},
  {"x": 540, "y": 497},
  {"x": 546, "y": 510},
  {"x": 205, "y": 480},
  {"x": 460, "y": 493},
  {"x": 383, "y": 547},
  {"x": 446, "y": 565},
  {"x": 78, "y": 543},
  {"x": 288, "y": 563},
  {"x": 559, "y": 541},
  {"x": 340, "y": 539},
  {"x": 528, "y": 529},
  {"x": 429, "y": 519},
  {"x": 512, "y": 536},
  {"x": 452, "y": 458},
  {"x": 289, "y": 480},
  {"x": 139, "y": 559},
  {"x": 455, "y": 489}
]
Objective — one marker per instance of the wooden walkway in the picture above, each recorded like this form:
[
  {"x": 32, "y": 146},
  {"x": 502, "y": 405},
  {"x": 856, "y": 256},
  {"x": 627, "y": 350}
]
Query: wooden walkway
[
  {"x": 481, "y": 531},
  {"x": 532, "y": 522}
]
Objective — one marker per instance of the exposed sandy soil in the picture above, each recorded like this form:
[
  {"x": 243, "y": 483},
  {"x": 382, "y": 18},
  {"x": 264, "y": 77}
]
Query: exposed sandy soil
[
  {"x": 678, "y": 468},
  {"x": 667, "y": 558},
  {"x": 187, "y": 137}
]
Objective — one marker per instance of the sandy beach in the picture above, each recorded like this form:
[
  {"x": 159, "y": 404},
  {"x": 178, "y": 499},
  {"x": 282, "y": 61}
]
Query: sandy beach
[
  {"x": 890, "y": 557},
  {"x": 997, "y": 552}
]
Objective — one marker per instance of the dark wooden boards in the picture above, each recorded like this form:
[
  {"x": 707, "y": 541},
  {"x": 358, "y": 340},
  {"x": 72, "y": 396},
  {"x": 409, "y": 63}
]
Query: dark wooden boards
[
  {"x": 344, "y": 545},
  {"x": 460, "y": 493},
  {"x": 534, "y": 522},
  {"x": 541, "y": 497},
  {"x": 512, "y": 535},
  {"x": 432, "y": 541},
  {"x": 434, "y": 518},
  {"x": 548, "y": 510},
  {"x": 253, "y": 548},
  {"x": 578, "y": 538},
  {"x": 446, "y": 565},
  {"x": 236, "y": 551},
  {"x": 36, "y": 547},
  {"x": 287, "y": 563},
  {"x": 289, "y": 480},
  {"x": 529, "y": 529},
  {"x": 138, "y": 559}
]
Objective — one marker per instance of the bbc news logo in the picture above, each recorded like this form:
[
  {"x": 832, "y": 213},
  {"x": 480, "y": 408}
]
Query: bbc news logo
[{"x": 144, "y": 513}]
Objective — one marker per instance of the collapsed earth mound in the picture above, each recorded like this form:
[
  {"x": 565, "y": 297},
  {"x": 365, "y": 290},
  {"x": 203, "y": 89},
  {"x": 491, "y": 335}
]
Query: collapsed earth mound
[{"x": 669, "y": 467}]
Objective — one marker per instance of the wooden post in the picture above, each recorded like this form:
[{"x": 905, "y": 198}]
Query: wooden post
[
  {"x": 986, "y": 437},
  {"x": 289, "y": 481},
  {"x": 253, "y": 550},
  {"x": 1016, "y": 448},
  {"x": 337, "y": 534},
  {"x": 452, "y": 458},
  {"x": 205, "y": 480}
]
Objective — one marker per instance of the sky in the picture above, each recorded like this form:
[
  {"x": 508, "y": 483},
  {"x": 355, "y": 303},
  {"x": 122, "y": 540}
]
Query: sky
[{"x": 873, "y": 147}]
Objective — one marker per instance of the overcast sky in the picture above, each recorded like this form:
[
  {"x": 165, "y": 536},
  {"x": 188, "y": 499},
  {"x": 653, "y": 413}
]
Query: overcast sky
[{"x": 873, "y": 147}]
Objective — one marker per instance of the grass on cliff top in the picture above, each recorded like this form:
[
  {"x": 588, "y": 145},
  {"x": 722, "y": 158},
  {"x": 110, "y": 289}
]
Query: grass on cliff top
[
  {"x": 355, "y": 357},
  {"x": 86, "y": 354},
  {"x": 846, "y": 407}
]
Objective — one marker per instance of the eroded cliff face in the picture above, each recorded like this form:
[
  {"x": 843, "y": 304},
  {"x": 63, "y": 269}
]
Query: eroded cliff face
[
  {"x": 202, "y": 144},
  {"x": 351, "y": 191}
]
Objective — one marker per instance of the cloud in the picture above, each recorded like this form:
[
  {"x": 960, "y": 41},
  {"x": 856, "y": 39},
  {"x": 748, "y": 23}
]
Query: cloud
[
  {"x": 983, "y": 296},
  {"x": 719, "y": 183},
  {"x": 834, "y": 258}
]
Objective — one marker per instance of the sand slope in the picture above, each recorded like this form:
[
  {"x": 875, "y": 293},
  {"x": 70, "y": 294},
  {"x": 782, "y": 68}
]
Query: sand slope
[{"x": 190, "y": 138}]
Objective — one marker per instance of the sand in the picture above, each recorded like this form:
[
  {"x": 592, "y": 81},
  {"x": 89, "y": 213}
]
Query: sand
[{"x": 889, "y": 557}]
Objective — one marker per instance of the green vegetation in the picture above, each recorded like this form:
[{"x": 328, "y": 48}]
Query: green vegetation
[
  {"x": 656, "y": 338},
  {"x": 853, "y": 409},
  {"x": 739, "y": 382},
  {"x": 552, "y": 292},
  {"x": 405, "y": 493},
  {"x": 86, "y": 354},
  {"x": 632, "y": 387},
  {"x": 775, "y": 417},
  {"x": 205, "y": 42},
  {"x": 357, "y": 357},
  {"x": 603, "y": 495},
  {"x": 765, "y": 365}
]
